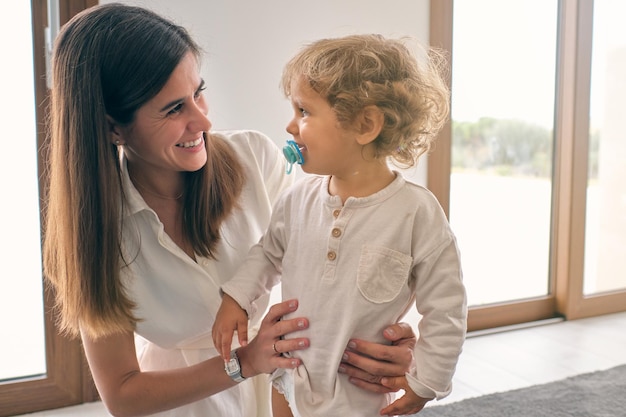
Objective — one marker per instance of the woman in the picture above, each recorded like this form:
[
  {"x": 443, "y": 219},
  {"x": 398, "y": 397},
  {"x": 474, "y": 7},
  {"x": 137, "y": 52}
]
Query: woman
[{"x": 148, "y": 215}]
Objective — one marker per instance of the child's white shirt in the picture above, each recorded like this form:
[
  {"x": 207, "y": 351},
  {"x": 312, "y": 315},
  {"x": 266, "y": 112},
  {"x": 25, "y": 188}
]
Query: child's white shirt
[{"x": 355, "y": 269}]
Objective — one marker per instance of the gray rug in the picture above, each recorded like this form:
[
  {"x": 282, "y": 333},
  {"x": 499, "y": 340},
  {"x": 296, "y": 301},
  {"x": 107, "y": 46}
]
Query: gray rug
[{"x": 597, "y": 394}]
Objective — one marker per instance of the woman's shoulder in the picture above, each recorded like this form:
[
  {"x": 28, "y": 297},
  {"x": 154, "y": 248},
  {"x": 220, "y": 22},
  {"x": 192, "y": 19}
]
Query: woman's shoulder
[
  {"x": 249, "y": 139},
  {"x": 262, "y": 159},
  {"x": 254, "y": 149}
]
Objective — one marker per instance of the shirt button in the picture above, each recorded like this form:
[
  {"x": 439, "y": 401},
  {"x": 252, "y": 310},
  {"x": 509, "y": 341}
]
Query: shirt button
[
  {"x": 336, "y": 213},
  {"x": 331, "y": 256},
  {"x": 336, "y": 232}
]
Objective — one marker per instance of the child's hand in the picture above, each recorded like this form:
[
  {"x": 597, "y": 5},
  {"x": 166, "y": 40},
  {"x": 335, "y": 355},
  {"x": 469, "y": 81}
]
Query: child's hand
[
  {"x": 230, "y": 317},
  {"x": 409, "y": 403}
]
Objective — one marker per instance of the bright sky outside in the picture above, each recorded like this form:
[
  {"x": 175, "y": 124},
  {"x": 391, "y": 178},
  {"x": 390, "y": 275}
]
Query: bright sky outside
[
  {"x": 489, "y": 48},
  {"x": 493, "y": 77}
]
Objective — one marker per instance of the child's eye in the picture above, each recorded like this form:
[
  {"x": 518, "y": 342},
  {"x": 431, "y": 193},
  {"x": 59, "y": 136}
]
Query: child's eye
[{"x": 303, "y": 112}]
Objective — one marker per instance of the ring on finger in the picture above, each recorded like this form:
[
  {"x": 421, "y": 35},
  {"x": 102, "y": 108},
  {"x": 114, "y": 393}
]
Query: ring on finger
[{"x": 274, "y": 347}]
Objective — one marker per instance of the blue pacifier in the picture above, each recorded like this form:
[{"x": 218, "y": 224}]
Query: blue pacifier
[{"x": 293, "y": 155}]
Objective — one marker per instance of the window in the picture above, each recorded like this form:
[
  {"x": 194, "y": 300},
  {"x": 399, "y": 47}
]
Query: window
[
  {"x": 502, "y": 139},
  {"x": 549, "y": 159},
  {"x": 21, "y": 295},
  {"x": 57, "y": 376}
]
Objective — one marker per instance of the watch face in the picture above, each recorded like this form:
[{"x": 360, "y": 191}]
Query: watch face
[{"x": 232, "y": 366}]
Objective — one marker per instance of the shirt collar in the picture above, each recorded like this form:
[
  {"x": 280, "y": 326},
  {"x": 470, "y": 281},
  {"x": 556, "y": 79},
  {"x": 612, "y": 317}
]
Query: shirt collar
[{"x": 396, "y": 185}]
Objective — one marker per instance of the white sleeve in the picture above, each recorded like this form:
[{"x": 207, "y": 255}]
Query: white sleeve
[
  {"x": 262, "y": 269},
  {"x": 441, "y": 300}
]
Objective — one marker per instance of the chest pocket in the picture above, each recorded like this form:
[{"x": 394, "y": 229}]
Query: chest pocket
[{"x": 382, "y": 272}]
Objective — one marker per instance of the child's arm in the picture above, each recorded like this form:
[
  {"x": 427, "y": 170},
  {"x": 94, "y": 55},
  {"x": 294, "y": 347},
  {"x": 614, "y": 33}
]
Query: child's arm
[
  {"x": 230, "y": 317},
  {"x": 409, "y": 403}
]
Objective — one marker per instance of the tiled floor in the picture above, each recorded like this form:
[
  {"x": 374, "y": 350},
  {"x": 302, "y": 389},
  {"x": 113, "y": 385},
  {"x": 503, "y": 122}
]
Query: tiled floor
[
  {"x": 536, "y": 355},
  {"x": 509, "y": 360}
]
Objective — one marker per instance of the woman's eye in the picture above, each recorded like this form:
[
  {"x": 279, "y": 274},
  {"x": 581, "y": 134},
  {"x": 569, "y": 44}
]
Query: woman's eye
[
  {"x": 176, "y": 109},
  {"x": 199, "y": 91}
]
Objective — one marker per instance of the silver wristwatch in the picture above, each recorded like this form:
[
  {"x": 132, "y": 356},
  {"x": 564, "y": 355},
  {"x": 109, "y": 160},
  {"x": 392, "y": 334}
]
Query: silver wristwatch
[{"x": 233, "y": 367}]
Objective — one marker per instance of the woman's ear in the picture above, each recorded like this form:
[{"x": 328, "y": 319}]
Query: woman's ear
[
  {"x": 369, "y": 124},
  {"x": 115, "y": 133}
]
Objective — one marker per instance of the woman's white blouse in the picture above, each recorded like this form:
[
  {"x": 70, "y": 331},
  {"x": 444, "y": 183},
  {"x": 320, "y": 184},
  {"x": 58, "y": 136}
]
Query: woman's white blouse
[{"x": 176, "y": 298}]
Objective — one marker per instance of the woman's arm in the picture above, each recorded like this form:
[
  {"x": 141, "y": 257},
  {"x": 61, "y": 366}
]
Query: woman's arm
[{"x": 127, "y": 391}]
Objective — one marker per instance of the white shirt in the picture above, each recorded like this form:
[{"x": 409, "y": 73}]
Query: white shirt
[
  {"x": 177, "y": 299},
  {"x": 356, "y": 269}
]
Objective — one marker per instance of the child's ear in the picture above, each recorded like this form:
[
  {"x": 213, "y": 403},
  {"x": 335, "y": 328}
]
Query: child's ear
[
  {"x": 115, "y": 132},
  {"x": 369, "y": 124}
]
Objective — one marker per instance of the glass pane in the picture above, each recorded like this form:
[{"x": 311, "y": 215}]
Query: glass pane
[
  {"x": 605, "y": 237},
  {"x": 503, "y": 83},
  {"x": 22, "y": 351}
]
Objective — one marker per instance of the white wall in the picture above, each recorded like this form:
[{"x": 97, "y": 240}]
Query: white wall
[{"x": 247, "y": 42}]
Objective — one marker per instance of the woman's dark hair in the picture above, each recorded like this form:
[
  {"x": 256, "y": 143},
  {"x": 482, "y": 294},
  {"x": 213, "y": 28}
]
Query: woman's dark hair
[{"x": 108, "y": 61}]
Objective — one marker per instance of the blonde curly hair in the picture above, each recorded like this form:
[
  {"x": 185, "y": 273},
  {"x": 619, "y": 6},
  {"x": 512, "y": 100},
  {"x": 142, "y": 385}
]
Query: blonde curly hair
[{"x": 357, "y": 71}]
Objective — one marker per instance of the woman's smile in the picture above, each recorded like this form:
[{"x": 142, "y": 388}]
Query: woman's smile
[{"x": 191, "y": 144}]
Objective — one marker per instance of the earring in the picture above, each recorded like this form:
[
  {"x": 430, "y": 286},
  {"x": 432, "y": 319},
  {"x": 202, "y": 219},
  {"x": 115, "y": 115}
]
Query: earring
[{"x": 117, "y": 142}]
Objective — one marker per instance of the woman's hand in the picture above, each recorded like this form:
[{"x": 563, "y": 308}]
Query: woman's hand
[
  {"x": 264, "y": 353},
  {"x": 367, "y": 363}
]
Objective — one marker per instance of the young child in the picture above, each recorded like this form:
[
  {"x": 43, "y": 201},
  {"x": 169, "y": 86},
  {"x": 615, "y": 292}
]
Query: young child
[{"x": 356, "y": 243}]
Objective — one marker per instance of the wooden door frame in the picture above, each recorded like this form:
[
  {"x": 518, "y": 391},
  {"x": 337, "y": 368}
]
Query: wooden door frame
[{"x": 575, "y": 32}]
